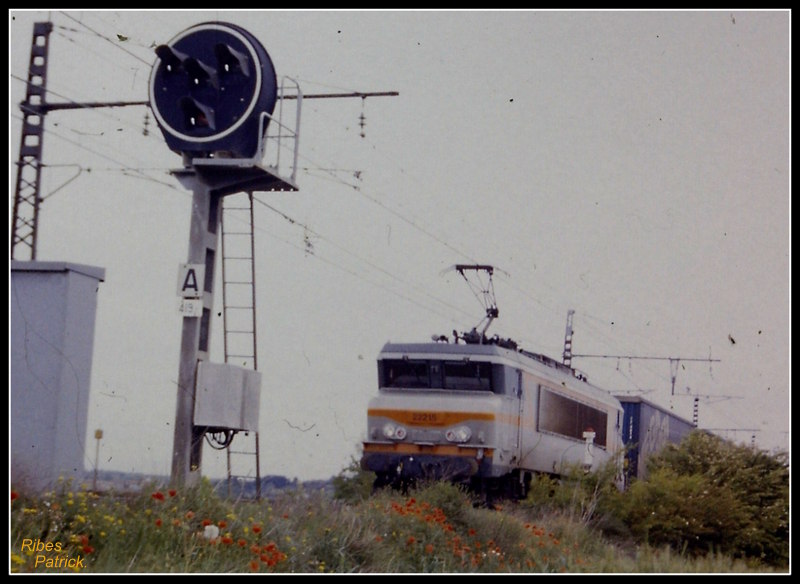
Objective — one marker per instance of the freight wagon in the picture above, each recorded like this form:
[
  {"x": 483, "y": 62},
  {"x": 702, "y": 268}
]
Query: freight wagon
[{"x": 646, "y": 429}]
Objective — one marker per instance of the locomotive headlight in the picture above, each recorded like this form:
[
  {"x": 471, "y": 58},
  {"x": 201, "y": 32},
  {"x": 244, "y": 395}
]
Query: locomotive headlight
[
  {"x": 394, "y": 432},
  {"x": 458, "y": 434}
]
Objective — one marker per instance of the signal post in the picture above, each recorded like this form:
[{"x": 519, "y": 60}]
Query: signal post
[
  {"x": 196, "y": 330},
  {"x": 213, "y": 90}
]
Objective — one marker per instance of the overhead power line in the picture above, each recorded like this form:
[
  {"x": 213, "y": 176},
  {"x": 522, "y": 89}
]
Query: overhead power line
[
  {"x": 104, "y": 37},
  {"x": 673, "y": 361}
]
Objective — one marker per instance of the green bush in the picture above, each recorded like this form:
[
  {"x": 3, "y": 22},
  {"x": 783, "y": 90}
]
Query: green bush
[
  {"x": 353, "y": 484},
  {"x": 683, "y": 511},
  {"x": 591, "y": 498},
  {"x": 707, "y": 493}
]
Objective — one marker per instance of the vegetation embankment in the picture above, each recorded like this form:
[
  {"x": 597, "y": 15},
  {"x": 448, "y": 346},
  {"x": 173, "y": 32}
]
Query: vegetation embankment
[{"x": 707, "y": 506}]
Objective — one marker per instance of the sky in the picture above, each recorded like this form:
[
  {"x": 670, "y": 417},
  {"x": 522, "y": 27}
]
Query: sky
[{"x": 631, "y": 166}]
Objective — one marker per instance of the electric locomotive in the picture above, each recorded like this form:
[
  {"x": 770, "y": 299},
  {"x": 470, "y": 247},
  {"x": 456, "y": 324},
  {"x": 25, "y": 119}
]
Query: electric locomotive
[{"x": 483, "y": 412}]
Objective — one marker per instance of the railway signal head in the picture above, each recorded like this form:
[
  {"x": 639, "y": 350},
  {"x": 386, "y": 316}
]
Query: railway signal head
[{"x": 209, "y": 87}]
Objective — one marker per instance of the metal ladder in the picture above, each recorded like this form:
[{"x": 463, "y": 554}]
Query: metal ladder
[{"x": 239, "y": 304}]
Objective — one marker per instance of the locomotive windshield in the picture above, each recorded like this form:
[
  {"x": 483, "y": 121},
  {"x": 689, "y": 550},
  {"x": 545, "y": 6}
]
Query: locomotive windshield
[{"x": 435, "y": 374}]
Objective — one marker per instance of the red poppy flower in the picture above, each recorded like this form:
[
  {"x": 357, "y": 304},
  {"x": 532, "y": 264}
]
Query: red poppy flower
[
  {"x": 158, "y": 496},
  {"x": 172, "y": 492}
]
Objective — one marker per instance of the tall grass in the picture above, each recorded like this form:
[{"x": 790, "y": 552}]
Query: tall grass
[{"x": 435, "y": 528}]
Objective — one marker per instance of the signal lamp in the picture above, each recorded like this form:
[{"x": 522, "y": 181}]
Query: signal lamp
[{"x": 213, "y": 89}]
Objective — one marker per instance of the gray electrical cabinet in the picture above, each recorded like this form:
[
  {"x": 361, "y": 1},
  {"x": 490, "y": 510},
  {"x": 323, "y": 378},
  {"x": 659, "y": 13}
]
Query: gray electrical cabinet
[
  {"x": 227, "y": 397},
  {"x": 52, "y": 308}
]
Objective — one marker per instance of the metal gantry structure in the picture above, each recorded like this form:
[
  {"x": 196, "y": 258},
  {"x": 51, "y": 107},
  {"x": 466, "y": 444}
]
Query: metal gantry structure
[{"x": 673, "y": 363}]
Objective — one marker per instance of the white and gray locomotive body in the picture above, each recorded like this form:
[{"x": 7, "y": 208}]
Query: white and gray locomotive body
[{"x": 486, "y": 414}]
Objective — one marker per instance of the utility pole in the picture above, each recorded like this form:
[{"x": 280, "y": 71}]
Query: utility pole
[
  {"x": 29, "y": 165},
  {"x": 567, "y": 355}
]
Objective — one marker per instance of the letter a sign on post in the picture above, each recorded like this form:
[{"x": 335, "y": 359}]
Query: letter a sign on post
[{"x": 191, "y": 280}]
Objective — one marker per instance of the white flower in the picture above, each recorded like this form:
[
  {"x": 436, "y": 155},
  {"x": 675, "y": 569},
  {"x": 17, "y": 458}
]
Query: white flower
[{"x": 211, "y": 532}]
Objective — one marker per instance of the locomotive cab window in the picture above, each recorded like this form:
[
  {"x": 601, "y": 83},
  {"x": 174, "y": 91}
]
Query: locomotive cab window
[
  {"x": 467, "y": 375},
  {"x": 403, "y": 373},
  {"x": 459, "y": 375},
  {"x": 560, "y": 415}
]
